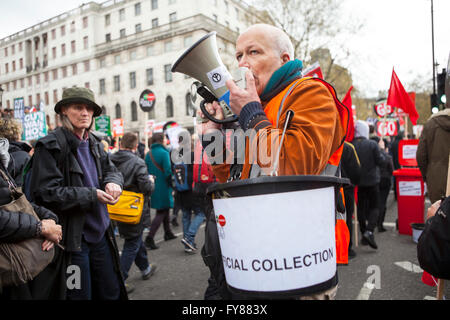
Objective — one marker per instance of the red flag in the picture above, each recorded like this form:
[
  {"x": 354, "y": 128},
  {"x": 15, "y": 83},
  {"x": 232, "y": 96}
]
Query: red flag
[
  {"x": 399, "y": 98},
  {"x": 428, "y": 279},
  {"x": 347, "y": 101},
  {"x": 313, "y": 71}
]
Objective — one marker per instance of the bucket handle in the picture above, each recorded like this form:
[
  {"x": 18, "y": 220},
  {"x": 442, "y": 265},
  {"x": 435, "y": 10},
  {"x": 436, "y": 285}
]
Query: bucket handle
[{"x": 289, "y": 116}]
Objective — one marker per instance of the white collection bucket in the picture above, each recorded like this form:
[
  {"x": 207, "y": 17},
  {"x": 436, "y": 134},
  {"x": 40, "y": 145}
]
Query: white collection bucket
[{"x": 277, "y": 234}]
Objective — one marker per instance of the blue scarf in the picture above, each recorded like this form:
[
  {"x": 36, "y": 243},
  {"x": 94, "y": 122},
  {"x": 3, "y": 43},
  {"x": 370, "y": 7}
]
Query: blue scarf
[{"x": 281, "y": 78}]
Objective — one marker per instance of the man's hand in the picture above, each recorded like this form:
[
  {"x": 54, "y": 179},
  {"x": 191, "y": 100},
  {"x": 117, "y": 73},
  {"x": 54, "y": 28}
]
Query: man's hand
[
  {"x": 206, "y": 127},
  {"x": 105, "y": 198},
  {"x": 114, "y": 190},
  {"x": 433, "y": 209},
  {"x": 240, "y": 97},
  {"x": 51, "y": 231}
]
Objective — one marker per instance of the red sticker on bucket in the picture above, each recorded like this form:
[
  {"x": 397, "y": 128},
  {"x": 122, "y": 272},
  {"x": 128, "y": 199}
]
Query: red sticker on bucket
[{"x": 221, "y": 220}]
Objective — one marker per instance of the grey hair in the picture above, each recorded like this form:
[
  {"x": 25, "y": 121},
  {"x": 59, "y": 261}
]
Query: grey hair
[{"x": 281, "y": 41}]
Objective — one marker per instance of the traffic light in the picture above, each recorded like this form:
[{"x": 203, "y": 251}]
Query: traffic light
[
  {"x": 434, "y": 103},
  {"x": 441, "y": 86}
]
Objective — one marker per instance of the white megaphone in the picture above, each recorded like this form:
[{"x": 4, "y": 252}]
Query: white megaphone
[{"x": 203, "y": 63}]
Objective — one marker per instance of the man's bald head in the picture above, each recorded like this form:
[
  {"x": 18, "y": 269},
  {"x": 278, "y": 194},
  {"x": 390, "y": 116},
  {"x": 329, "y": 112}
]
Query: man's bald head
[{"x": 277, "y": 37}]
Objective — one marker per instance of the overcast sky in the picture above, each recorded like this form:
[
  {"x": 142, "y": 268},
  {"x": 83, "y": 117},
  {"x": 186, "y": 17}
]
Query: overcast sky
[{"x": 396, "y": 33}]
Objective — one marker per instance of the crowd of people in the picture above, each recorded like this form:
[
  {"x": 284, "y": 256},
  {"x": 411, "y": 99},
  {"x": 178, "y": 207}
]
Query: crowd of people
[{"x": 71, "y": 177}]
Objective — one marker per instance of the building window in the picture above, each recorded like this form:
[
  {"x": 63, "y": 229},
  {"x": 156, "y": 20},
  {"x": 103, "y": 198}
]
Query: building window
[
  {"x": 133, "y": 55},
  {"x": 151, "y": 114},
  {"x": 55, "y": 74},
  {"x": 108, "y": 37},
  {"x": 22, "y": 83},
  {"x": 137, "y": 9},
  {"x": 121, "y": 15},
  {"x": 102, "y": 86},
  {"x": 38, "y": 99},
  {"x": 149, "y": 73},
  {"x": 6, "y": 68},
  {"x": 154, "y": 4},
  {"x": 132, "y": 80},
  {"x": 87, "y": 65},
  {"x": 122, "y": 33},
  {"x": 6, "y": 52},
  {"x": 85, "y": 22},
  {"x": 155, "y": 23},
  {"x": 64, "y": 73},
  {"x": 102, "y": 62},
  {"x": 150, "y": 51},
  {"x": 173, "y": 17},
  {"x": 187, "y": 41},
  {"x": 55, "y": 96},
  {"x": 188, "y": 104},
  {"x": 53, "y": 34},
  {"x": 21, "y": 63},
  {"x": 30, "y": 82},
  {"x": 13, "y": 49},
  {"x": 72, "y": 26},
  {"x": 168, "y": 46},
  {"x": 138, "y": 28},
  {"x": 169, "y": 107},
  {"x": 63, "y": 49},
  {"x": 118, "y": 111},
  {"x": 107, "y": 20},
  {"x": 74, "y": 69},
  {"x": 72, "y": 46},
  {"x": 14, "y": 66},
  {"x": 54, "y": 52},
  {"x": 134, "y": 113},
  {"x": 117, "y": 84},
  {"x": 167, "y": 73},
  {"x": 85, "y": 42},
  {"x": 38, "y": 79},
  {"x": 47, "y": 100},
  {"x": 30, "y": 100},
  {"x": 20, "y": 47},
  {"x": 46, "y": 76},
  {"x": 117, "y": 59}
]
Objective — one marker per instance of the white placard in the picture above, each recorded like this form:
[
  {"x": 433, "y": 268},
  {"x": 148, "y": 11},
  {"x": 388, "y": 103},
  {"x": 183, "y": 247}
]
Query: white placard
[
  {"x": 218, "y": 77},
  {"x": 409, "y": 151},
  {"x": 410, "y": 188},
  {"x": 278, "y": 242}
]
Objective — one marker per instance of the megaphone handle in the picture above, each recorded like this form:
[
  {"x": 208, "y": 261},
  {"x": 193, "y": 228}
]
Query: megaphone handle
[{"x": 210, "y": 117}]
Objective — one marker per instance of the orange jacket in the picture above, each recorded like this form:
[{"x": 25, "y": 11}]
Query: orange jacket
[{"x": 313, "y": 136}]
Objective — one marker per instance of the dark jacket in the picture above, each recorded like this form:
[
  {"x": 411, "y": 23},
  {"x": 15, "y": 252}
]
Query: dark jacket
[
  {"x": 371, "y": 160},
  {"x": 350, "y": 166},
  {"x": 14, "y": 226},
  {"x": 19, "y": 152},
  {"x": 61, "y": 190},
  {"x": 432, "y": 154},
  {"x": 136, "y": 179}
]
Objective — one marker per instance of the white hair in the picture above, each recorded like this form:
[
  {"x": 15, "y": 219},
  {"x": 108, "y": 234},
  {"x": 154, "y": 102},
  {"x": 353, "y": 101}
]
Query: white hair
[{"x": 281, "y": 41}]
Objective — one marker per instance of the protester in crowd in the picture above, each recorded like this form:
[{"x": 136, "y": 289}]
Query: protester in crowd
[
  {"x": 314, "y": 134},
  {"x": 158, "y": 164},
  {"x": 394, "y": 154},
  {"x": 136, "y": 179},
  {"x": 73, "y": 176},
  {"x": 433, "y": 247},
  {"x": 202, "y": 178},
  {"x": 19, "y": 150},
  {"x": 432, "y": 153},
  {"x": 371, "y": 160},
  {"x": 385, "y": 184},
  {"x": 141, "y": 149},
  {"x": 18, "y": 226},
  {"x": 351, "y": 169}
]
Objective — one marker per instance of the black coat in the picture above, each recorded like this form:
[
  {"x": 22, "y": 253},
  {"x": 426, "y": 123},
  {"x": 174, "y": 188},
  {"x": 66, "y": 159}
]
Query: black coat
[
  {"x": 14, "y": 226},
  {"x": 350, "y": 166},
  {"x": 19, "y": 152},
  {"x": 371, "y": 160},
  {"x": 60, "y": 188},
  {"x": 136, "y": 179}
]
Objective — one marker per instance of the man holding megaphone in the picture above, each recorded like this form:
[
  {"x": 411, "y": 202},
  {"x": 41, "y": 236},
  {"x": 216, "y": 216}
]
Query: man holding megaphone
[{"x": 304, "y": 114}]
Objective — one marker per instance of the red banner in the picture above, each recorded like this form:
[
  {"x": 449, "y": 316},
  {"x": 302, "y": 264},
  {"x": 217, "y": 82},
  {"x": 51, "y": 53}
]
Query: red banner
[{"x": 313, "y": 71}]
